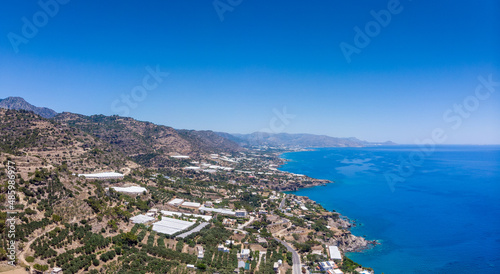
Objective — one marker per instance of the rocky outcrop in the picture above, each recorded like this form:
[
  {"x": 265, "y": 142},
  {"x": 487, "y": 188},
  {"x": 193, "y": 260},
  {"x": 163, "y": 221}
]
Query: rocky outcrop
[
  {"x": 296, "y": 185},
  {"x": 347, "y": 241},
  {"x": 351, "y": 243}
]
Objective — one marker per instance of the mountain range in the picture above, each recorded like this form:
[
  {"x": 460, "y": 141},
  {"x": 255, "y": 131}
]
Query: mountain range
[
  {"x": 301, "y": 140},
  {"x": 148, "y": 143}
]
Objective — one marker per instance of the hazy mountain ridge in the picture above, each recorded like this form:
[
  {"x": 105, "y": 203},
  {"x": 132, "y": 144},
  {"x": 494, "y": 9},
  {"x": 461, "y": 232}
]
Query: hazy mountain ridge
[
  {"x": 18, "y": 103},
  {"x": 302, "y": 140},
  {"x": 150, "y": 144}
]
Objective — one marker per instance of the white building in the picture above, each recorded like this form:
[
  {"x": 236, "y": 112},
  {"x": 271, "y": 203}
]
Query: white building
[
  {"x": 276, "y": 267},
  {"x": 223, "y": 248},
  {"x": 130, "y": 189},
  {"x": 153, "y": 212},
  {"x": 191, "y": 204},
  {"x": 171, "y": 226},
  {"x": 175, "y": 213},
  {"x": 245, "y": 254},
  {"x": 176, "y": 202},
  {"x": 56, "y": 270},
  {"x": 201, "y": 252},
  {"x": 102, "y": 176},
  {"x": 241, "y": 213},
  {"x": 217, "y": 210},
  {"x": 328, "y": 265},
  {"x": 140, "y": 219},
  {"x": 334, "y": 253},
  {"x": 317, "y": 252},
  {"x": 180, "y": 157}
]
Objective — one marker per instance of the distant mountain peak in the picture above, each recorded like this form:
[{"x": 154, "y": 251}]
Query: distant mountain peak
[{"x": 18, "y": 103}]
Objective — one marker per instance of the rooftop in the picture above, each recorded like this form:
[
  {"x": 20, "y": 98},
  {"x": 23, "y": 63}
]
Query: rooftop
[
  {"x": 171, "y": 226},
  {"x": 140, "y": 219},
  {"x": 334, "y": 253},
  {"x": 130, "y": 189},
  {"x": 102, "y": 175}
]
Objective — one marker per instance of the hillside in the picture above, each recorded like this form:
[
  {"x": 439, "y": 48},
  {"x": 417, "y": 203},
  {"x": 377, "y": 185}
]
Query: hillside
[
  {"x": 147, "y": 143},
  {"x": 84, "y": 226},
  {"x": 45, "y": 143},
  {"x": 207, "y": 140},
  {"x": 18, "y": 103}
]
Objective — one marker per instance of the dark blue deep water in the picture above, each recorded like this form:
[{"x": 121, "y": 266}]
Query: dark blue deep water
[{"x": 441, "y": 214}]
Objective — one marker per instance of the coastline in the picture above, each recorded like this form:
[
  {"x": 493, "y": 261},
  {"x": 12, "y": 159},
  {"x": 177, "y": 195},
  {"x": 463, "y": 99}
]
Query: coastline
[
  {"x": 453, "y": 174},
  {"x": 349, "y": 242},
  {"x": 309, "y": 182}
]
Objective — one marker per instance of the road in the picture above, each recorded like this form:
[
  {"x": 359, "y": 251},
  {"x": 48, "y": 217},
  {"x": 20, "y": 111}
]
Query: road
[
  {"x": 296, "y": 269},
  {"x": 239, "y": 230},
  {"x": 282, "y": 204},
  {"x": 262, "y": 253},
  {"x": 21, "y": 256},
  {"x": 247, "y": 223}
]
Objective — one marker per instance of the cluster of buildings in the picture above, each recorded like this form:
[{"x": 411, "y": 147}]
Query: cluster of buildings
[
  {"x": 169, "y": 226},
  {"x": 208, "y": 168},
  {"x": 207, "y": 207},
  {"x": 181, "y": 203},
  {"x": 329, "y": 267},
  {"x": 211, "y": 168}
]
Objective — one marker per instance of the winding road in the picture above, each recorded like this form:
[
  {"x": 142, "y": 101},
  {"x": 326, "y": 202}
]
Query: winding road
[
  {"x": 295, "y": 257},
  {"x": 21, "y": 255}
]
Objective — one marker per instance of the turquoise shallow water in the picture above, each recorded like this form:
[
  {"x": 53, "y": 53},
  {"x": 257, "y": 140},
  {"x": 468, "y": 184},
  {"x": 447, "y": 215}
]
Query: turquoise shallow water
[{"x": 443, "y": 218}]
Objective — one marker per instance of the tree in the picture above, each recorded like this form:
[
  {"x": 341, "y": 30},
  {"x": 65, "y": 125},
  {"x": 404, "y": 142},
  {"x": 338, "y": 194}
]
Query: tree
[
  {"x": 201, "y": 266},
  {"x": 41, "y": 267},
  {"x": 56, "y": 218},
  {"x": 129, "y": 238}
]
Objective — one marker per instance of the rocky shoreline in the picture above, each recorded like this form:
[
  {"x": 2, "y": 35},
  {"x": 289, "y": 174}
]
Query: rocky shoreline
[
  {"x": 346, "y": 241},
  {"x": 307, "y": 184}
]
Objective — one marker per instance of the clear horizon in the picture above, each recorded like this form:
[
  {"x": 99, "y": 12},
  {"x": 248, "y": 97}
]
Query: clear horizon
[{"x": 404, "y": 71}]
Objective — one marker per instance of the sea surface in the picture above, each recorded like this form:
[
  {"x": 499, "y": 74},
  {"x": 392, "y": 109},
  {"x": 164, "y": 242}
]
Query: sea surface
[{"x": 437, "y": 213}]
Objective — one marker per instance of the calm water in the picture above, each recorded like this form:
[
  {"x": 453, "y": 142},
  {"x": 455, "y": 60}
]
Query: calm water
[{"x": 444, "y": 218}]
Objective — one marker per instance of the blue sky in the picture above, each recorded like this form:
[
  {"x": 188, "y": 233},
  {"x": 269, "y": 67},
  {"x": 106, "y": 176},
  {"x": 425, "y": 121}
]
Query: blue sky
[{"x": 263, "y": 58}]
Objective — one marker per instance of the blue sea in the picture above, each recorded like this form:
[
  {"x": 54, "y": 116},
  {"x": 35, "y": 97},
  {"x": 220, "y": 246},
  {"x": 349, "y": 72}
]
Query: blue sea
[{"x": 440, "y": 215}]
